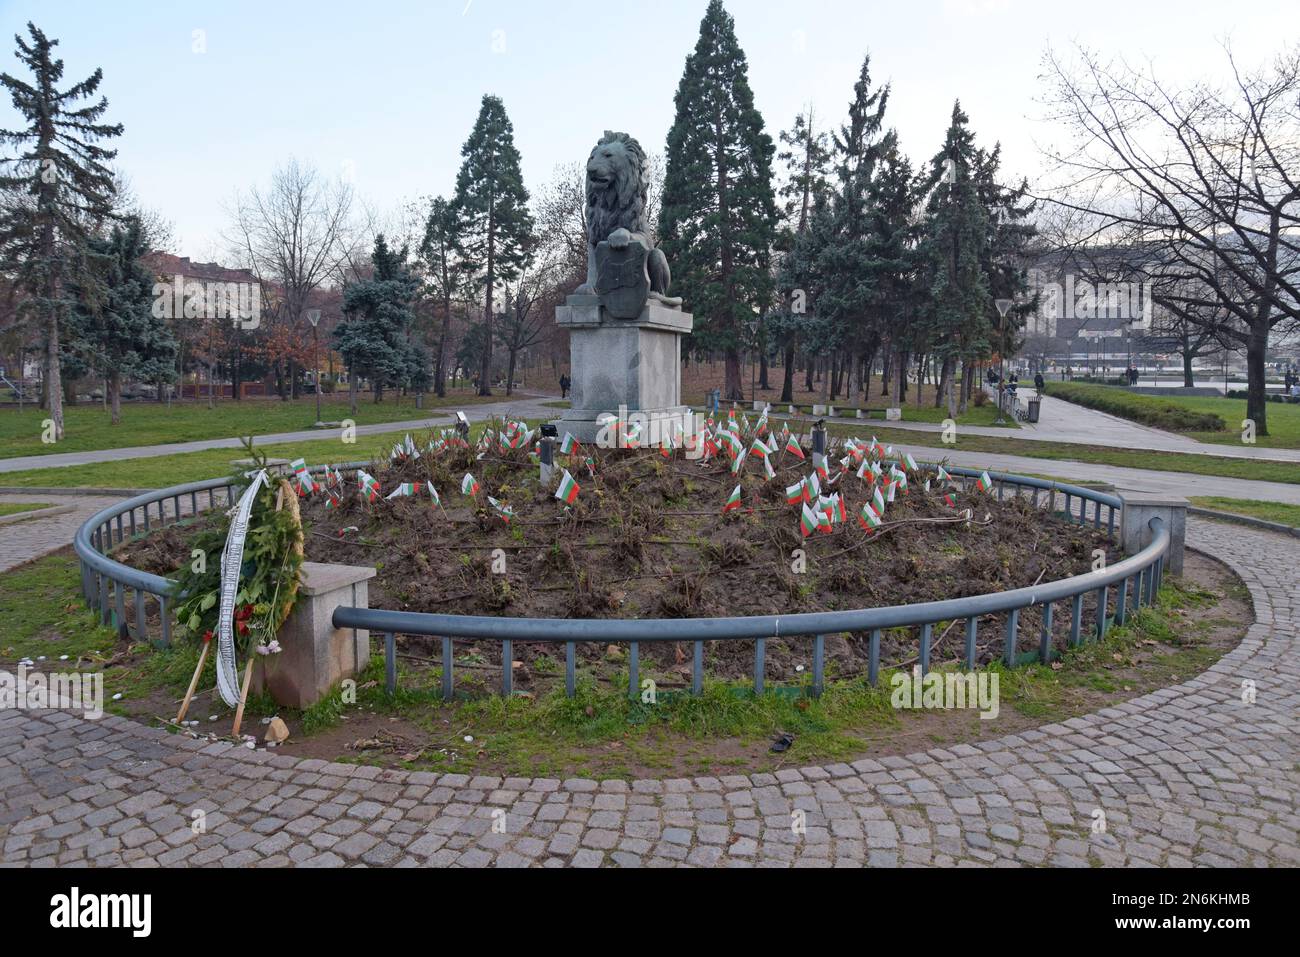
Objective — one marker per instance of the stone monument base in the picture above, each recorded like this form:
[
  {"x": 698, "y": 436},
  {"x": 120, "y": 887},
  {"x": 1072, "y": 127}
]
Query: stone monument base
[{"x": 633, "y": 365}]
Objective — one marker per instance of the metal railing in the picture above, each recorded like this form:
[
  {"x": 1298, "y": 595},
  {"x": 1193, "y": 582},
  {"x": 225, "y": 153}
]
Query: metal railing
[{"x": 1124, "y": 587}]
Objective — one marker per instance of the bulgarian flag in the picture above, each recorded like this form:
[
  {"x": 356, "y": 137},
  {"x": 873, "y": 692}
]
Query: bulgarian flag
[
  {"x": 740, "y": 460},
  {"x": 433, "y": 494},
  {"x": 468, "y": 485},
  {"x": 760, "y": 449},
  {"x": 868, "y": 518},
  {"x": 732, "y": 502},
  {"x": 666, "y": 447},
  {"x": 837, "y": 508},
  {"x": 890, "y": 489},
  {"x": 808, "y": 521},
  {"x": 878, "y": 501},
  {"x": 985, "y": 483},
  {"x": 794, "y": 494},
  {"x": 819, "y": 463},
  {"x": 405, "y": 488},
  {"x": 950, "y": 501},
  {"x": 591, "y": 466},
  {"x": 814, "y": 484},
  {"x": 333, "y": 501},
  {"x": 909, "y": 462},
  {"x": 568, "y": 490},
  {"x": 943, "y": 475},
  {"x": 299, "y": 466},
  {"x": 569, "y": 445},
  {"x": 767, "y": 467},
  {"x": 502, "y": 509},
  {"x": 307, "y": 484}
]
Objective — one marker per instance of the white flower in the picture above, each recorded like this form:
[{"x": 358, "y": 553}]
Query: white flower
[
  {"x": 263, "y": 650},
  {"x": 274, "y": 647}
]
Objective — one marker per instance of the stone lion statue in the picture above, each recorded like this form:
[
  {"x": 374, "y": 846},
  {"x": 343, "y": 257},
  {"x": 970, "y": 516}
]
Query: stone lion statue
[{"x": 616, "y": 200}]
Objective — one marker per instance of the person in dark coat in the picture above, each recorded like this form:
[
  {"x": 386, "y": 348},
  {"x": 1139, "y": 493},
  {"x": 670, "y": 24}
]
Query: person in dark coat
[{"x": 564, "y": 386}]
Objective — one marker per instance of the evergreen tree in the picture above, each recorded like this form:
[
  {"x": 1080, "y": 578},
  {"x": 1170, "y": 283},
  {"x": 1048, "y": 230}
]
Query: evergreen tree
[
  {"x": 806, "y": 157},
  {"x": 374, "y": 335},
  {"x": 493, "y": 223},
  {"x": 954, "y": 254},
  {"x": 444, "y": 278},
  {"x": 111, "y": 326},
  {"x": 57, "y": 190},
  {"x": 719, "y": 211}
]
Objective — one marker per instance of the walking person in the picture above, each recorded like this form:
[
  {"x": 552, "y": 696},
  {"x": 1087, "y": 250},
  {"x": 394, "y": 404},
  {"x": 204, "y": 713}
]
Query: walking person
[{"x": 564, "y": 386}]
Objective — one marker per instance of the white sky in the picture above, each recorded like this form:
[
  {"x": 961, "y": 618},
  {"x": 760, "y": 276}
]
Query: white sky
[{"x": 392, "y": 89}]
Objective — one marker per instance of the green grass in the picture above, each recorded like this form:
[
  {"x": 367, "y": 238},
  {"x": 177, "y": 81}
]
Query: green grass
[
  {"x": 16, "y": 508},
  {"x": 1280, "y": 512},
  {"x": 40, "y": 605},
  {"x": 87, "y": 427},
  {"x": 1283, "y": 417},
  {"x": 162, "y": 470},
  {"x": 1261, "y": 470}
]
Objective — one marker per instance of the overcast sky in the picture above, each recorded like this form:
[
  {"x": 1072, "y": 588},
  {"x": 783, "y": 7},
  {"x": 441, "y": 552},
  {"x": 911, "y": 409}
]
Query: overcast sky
[{"x": 388, "y": 91}]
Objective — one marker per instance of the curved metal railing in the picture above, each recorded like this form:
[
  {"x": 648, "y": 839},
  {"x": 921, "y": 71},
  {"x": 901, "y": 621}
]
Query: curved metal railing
[{"x": 1135, "y": 581}]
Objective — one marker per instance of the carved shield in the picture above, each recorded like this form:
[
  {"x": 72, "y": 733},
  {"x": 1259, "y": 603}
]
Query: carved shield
[{"x": 622, "y": 281}]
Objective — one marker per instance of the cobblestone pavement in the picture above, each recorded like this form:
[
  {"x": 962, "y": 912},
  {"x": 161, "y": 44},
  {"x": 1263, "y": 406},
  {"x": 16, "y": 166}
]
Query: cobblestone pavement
[
  {"x": 22, "y": 541},
  {"x": 1189, "y": 775}
]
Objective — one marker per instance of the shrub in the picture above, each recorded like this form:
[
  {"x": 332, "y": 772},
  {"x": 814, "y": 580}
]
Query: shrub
[{"x": 1155, "y": 411}]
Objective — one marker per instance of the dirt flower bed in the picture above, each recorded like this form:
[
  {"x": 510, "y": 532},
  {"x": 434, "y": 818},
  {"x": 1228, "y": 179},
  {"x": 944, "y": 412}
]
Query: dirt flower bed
[{"x": 648, "y": 537}]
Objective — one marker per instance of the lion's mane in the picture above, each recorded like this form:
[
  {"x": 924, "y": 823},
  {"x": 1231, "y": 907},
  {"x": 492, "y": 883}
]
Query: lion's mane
[{"x": 620, "y": 203}]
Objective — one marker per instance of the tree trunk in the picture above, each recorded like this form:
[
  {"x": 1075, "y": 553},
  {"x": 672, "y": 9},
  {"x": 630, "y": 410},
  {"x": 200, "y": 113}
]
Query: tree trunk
[
  {"x": 510, "y": 372},
  {"x": 731, "y": 387},
  {"x": 807, "y": 373},
  {"x": 762, "y": 369},
  {"x": 53, "y": 374},
  {"x": 787, "y": 378},
  {"x": 1188, "y": 380},
  {"x": 1256, "y": 402},
  {"x": 114, "y": 390},
  {"x": 440, "y": 370}
]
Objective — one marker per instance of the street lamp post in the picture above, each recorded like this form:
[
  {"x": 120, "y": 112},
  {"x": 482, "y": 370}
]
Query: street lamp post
[
  {"x": 1004, "y": 306},
  {"x": 313, "y": 316}
]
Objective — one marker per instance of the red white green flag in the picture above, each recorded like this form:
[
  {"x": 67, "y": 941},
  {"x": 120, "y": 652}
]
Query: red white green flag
[
  {"x": 733, "y": 501},
  {"x": 808, "y": 521},
  {"x": 819, "y": 463},
  {"x": 502, "y": 509},
  {"x": 792, "y": 446},
  {"x": 468, "y": 485},
  {"x": 943, "y": 475},
  {"x": 868, "y": 518},
  {"x": 568, "y": 490},
  {"x": 878, "y": 501},
  {"x": 740, "y": 461},
  {"x": 985, "y": 483},
  {"x": 433, "y": 494},
  {"x": 767, "y": 467},
  {"x": 814, "y": 485},
  {"x": 402, "y": 490},
  {"x": 909, "y": 462},
  {"x": 568, "y": 445},
  {"x": 795, "y": 493}
]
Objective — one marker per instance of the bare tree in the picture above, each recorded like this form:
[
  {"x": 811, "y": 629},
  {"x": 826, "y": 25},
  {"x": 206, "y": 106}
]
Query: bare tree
[
  {"x": 1204, "y": 182},
  {"x": 294, "y": 237}
]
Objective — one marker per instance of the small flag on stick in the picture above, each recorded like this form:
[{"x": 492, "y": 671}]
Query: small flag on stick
[
  {"x": 468, "y": 485},
  {"x": 568, "y": 490},
  {"x": 733, "y": 501}
]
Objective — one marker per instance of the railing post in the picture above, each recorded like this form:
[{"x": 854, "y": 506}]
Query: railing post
[
  {"x": 390, "y": 662},
  {"x": 697, "y": 669},
  {"x": 873, "y": 659},
  {"x": 633, "y": 670},
  {"x": 1103, "y": 599},
  {"x": 1045, "y": 640},
  {"x": 927, "y": 632},
  {"x": 760, "y": 664},
  {"x": 140, "y": 631},
  {"x": 507, "y": 667},
  {"x": 1121, "y": 601},
  {"x": 570, "y": 677},
  {"x": 165, "y": 618},
  {"x": 972, "y": 629},
  {"x": 448, "y": 682},
  {"x": 1076, "y": 620},
  {"x": 819, "y": 663},
  {"x": 1009, "y": 646}
]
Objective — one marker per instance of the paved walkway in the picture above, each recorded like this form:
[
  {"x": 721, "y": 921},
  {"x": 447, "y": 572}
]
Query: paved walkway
[
  {"x": 1189, "y": 775},
  {"x": 524, "y": 405},
  {"x": 22, "y": 541},
  {"x": 1061, "y": 421}
]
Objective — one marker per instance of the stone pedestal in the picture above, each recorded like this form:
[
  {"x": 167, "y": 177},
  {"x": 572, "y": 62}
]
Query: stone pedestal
[
  {"x": 635, "y": 364},
  {"x": 1139, "y": 509},
  {"x": 316, "y": 655}
]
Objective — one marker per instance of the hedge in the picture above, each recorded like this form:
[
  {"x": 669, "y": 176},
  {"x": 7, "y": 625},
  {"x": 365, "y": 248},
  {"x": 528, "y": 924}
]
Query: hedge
[{"x": 1153, "y": 410}]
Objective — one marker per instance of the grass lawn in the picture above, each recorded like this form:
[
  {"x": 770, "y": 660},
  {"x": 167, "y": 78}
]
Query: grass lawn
[
  {"x": 161, "y": 470},
  {"x": 1280, "y": 512},
  {"x": 1283, "y": 417},
  {"x": 86, "y": 427},
  {"x": 600, "y": 733},
  {"x": 16, "y": 508}
]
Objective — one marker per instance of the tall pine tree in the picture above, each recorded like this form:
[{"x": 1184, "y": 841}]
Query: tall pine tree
[
  {"x": 954, "y": 253},
  {"x": 719, "y": 214},
  {"x": 493, "y": 223},
  {"x": 111, "y": 326},
  {"x": 58, "y": 189},
  {"x": 444, "y": 278}
]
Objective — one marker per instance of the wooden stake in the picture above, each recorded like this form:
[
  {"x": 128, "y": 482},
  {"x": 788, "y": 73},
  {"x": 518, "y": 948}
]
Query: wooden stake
[
  {"x": 243, "y": 696},
  {"x": 194, "y": 682}
]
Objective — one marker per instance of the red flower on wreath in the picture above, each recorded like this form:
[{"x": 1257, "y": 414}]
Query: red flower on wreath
[{"x": 207, "y": 635}]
